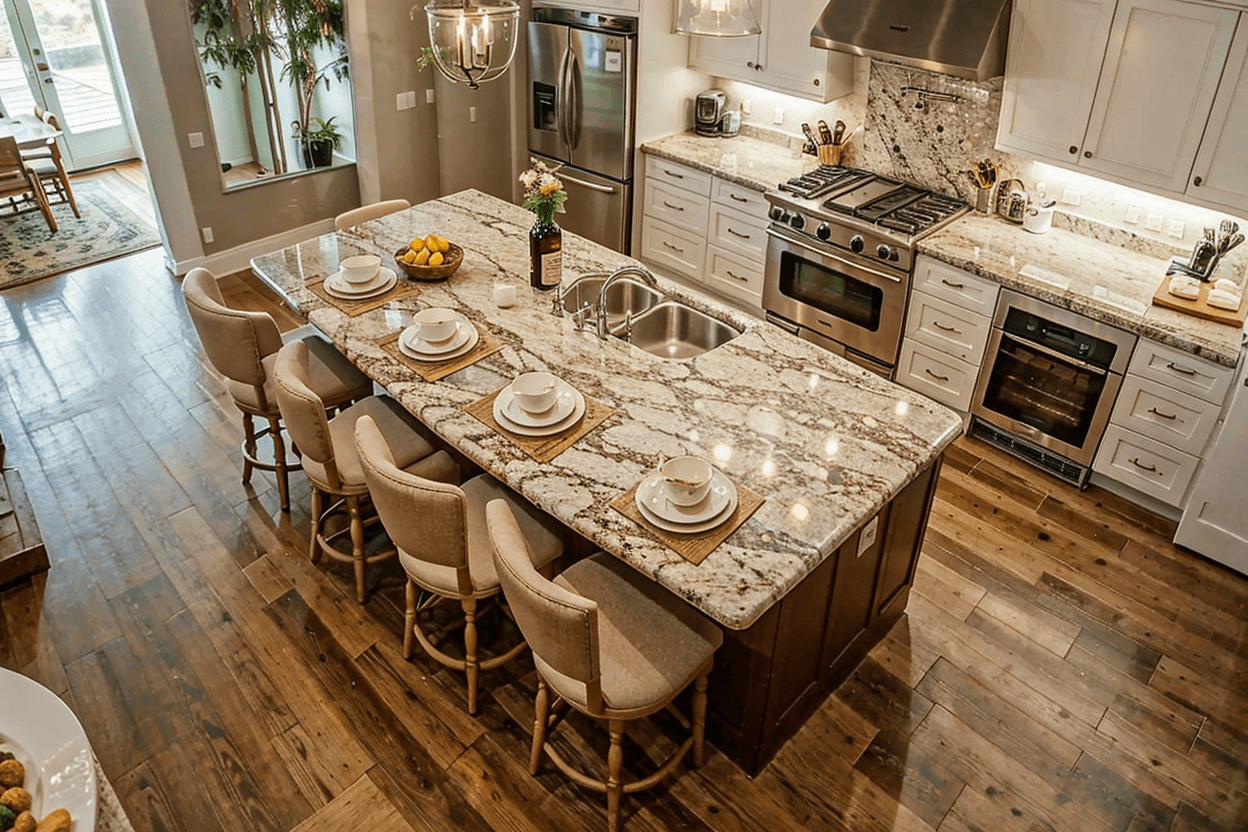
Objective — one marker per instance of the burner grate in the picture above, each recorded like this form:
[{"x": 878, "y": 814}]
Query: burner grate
[{"x": 824, "y": 180}]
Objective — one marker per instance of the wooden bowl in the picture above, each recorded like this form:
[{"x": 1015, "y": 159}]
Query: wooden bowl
[{"x": 453, "y": 257}]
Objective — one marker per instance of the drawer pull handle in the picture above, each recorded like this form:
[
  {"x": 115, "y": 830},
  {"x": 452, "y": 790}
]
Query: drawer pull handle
[
  {"x": 952, "y": 329},
  {"x": 935, "y": 376},
  {"x": 673, "y": 207},
  {"x": 738, "y": 234},
  {"x": 1152, "y": 469},
  {"x": 736, "y": 276},
  {"x": 676, "y": 249},
  {"x": 736, "y": 198},
  {"x": 1157, "y": 412},
  {"x": 674, "y": 174},
  {"x": 1181, "y": 370},
  {"x": 953, "y": 285}
]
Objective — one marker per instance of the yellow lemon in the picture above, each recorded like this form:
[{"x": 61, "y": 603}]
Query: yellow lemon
[
  {"x": 409, "y": 257},
  {"x": 435, "y": 259},
  {"x": 416, "y": 244},
  {"x": 443, "y": 245},
  {"x": 431, "y": 243},
  {"x": 423, "y": 257}
]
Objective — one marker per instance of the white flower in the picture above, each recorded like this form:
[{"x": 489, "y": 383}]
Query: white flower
[{"x": 528, "y": 178}]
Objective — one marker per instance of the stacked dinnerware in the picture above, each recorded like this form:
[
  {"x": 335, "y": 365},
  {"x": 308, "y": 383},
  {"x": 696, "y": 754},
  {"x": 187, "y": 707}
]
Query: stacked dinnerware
[
  {"x": 438, "y": 334},
  {"x": 538, "y": 404},
  {"x": 360, "y": 277},
  {"x": 687, "y": 495}
]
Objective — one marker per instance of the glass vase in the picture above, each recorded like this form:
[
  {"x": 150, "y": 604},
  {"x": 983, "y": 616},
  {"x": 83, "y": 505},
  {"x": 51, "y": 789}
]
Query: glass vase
[{"x": 545, "y": 253}]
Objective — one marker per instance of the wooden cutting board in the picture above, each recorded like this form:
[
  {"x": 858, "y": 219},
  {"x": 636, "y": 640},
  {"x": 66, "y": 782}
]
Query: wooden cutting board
[{"x": 1199, "y": 307}]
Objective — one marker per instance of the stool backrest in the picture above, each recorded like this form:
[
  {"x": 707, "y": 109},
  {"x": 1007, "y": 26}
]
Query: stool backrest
[
  {"x": 350, "y": 219},
  {"x": 302, "y": 409},
  {"x": 235, "y": 340}
]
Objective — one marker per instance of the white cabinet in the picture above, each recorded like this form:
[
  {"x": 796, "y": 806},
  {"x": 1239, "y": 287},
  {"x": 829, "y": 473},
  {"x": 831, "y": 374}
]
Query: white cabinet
[
  {"x": 1220, "y": 177},
  {"x": 1124, "y": 92},
  {"x": 781, "y": 58}
]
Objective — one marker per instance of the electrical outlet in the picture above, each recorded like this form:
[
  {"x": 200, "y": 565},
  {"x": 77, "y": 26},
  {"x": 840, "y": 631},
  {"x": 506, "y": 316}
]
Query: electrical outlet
[
  {"x": 747, "y": 106},
  {"x": 428, "y": 96},
  {"x": 472, "y": 115},
  {"x": 867, "y": 538},
  {"x": 1176, "y": 229},
  {"x": 1133, "y": 214},
  {"x": 1154, "y": 222},
  {"x": 1071, "y": 197},
  {"x": 195, "y": 139},
  {"x": 778, "y": 116},
  {"x": 206, "y": 233}
]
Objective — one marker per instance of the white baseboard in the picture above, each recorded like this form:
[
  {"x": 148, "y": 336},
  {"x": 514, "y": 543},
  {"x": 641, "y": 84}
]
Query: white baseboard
[{"x": 239, "y": 258}]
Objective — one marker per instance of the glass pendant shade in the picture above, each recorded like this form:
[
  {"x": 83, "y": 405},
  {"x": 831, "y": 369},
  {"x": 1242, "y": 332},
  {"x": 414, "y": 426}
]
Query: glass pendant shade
[
  {"x": 716, "y": 18},
  {"x": 473, "y": 41}
]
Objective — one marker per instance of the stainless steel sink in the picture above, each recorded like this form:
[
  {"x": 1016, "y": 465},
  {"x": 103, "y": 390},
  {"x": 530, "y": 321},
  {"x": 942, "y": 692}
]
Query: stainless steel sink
[
  {"x": 625, "y": 297},
  {"x": 673, "y": 330}
]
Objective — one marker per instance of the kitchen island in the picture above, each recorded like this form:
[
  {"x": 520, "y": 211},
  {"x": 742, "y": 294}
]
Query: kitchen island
[{"x": 841, "y": 457}]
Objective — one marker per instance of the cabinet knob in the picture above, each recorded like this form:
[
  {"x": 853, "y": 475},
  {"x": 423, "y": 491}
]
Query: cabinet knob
[
  {"x": 1197, "y": 181},
  {"x": 1073, "y": 150},
  {"x": 1087, "y": 154}
]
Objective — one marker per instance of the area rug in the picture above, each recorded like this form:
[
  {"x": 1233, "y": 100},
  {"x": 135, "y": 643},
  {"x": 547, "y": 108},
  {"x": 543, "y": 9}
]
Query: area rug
[{"x": 108, "y": 229}]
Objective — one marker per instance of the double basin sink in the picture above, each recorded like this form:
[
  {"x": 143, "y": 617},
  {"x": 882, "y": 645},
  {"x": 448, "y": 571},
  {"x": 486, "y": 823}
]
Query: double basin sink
[{"x": 647, "y": 319}]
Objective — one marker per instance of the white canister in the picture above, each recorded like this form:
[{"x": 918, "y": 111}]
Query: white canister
[{"x": 1038, "y": 220}]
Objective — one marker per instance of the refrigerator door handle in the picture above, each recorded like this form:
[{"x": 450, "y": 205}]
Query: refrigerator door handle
[
  {"x": 593, "y": 186},
  {"x": 561, "y": 99},
  {"x": 575, "y": 104}
]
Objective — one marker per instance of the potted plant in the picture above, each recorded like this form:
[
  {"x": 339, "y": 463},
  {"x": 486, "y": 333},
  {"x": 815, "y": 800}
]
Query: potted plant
[{"x": 317, "y": 144}]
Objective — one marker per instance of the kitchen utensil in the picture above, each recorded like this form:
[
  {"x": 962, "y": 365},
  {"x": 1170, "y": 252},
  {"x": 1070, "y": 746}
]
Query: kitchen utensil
[
  {"x": 730, "y": 124},
  {"x": 1233, "y": 242},
  {"x": 1012, "y": 201},
  {"x": 838, "y": 134},
  {"x": 1038, "y": 219},
  {"x": 810, "y": 135},
  {"x": 825, "y": 134},
  {"x": 1204, "y": 256},
  {"x": 1226, "y": 230}
]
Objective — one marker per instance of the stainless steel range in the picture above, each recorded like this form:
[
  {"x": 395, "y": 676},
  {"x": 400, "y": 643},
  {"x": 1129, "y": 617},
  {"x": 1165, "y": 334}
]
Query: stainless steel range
[{"x": 840, "y": 253}]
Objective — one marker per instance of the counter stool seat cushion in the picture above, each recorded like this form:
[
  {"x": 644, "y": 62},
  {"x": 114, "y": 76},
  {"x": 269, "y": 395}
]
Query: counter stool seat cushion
[
  {"x": 544, "y": 544},
  {"x": 331, "y": 374}
]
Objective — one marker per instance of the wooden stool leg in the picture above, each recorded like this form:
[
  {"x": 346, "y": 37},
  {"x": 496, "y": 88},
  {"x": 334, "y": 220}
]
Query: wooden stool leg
[
  {"x": 314, "y": 545},
  {"x": 249, "y": 446},
  {"x": 471, "y": 665},
  {"x": 279, "y": 462},
  {"x": 357, "y": 545},
  {"x": 541, "y": 707},
  {"x": 615, "y": 767},
  {"x": 699, "y": 720},
  {"x": 409, "y": 619}
]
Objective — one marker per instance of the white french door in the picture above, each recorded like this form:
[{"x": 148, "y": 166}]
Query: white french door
[{"x": 53, "y": 53}]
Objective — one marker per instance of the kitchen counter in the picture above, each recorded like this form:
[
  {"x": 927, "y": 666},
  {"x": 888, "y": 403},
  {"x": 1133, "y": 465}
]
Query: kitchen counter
[
  {"x": 826, "y": 443},
  {"x": 1101, "y": 279},
  {"x": 743, "y": 160}
]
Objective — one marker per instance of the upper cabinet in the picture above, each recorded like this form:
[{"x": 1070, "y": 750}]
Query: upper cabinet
[
  {"x": 1220, "y": 177},
  {"x": 1126, "y": 91},
  {"x": 781, "y": 58}
]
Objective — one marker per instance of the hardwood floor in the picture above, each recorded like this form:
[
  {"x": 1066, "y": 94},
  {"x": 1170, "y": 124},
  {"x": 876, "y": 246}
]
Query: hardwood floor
[{"x": 1062, "y": 668}]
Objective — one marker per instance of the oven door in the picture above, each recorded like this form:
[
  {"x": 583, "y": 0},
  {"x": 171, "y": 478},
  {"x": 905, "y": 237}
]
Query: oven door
[
  {"x": 1052, "y": 400},
  {"x": 856, "y": 305}
]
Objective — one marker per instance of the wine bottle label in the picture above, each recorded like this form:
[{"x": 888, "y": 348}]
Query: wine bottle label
[{"x": 552, "y": 268}]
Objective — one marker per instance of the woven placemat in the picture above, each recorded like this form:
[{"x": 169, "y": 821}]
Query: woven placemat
[
  {"x": 692, "y": 547},
  {"x": 487, "y": 344},
  {"x": 543, "y": 448},
  {"x": 402, "y": 290}
]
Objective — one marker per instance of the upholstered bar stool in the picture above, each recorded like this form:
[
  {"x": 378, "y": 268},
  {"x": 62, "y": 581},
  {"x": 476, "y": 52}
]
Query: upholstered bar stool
[
  {"x": 330, "y": 460},
  {"x": 352, "y": 218},
  {"x": 609, "y": 642},
  {"x": 243, "y": 347},
  {"x": 444, "y": 547}
]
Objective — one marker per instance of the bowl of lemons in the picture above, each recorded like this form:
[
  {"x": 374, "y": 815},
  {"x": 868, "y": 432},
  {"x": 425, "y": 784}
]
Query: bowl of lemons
[{"x": 429, "y": 258}]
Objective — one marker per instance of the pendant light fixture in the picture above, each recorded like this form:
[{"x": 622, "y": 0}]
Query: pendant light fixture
[
  {"x": 473, "y": 41},
  {"x": 717, "y": 18}
]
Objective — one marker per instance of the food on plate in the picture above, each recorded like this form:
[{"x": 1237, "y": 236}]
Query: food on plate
[
  {"x": 25, "y": 822},
  {"x": 58, "y": 821},
  {"x": 16, "y": 800},
  {"x": 12, "y": 773},
  {"x": 7, "y": 818},
  {"x": 427, "y": 251}
]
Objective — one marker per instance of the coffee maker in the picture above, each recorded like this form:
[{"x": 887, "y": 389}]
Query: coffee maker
[{"x": 708, "y": 111}]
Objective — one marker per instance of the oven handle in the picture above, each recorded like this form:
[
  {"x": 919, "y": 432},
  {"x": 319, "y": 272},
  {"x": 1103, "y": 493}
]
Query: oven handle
[
  {"x": 1052, "y": 353},
  {"x": 780, "y": 235}
]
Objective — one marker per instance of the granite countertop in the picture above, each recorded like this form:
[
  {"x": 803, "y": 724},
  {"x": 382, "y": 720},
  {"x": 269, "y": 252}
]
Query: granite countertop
[
  {"x": 1101, "y": 278},
  {"x": 744, "y": 160},
  {"x": 826, "y": 443}
]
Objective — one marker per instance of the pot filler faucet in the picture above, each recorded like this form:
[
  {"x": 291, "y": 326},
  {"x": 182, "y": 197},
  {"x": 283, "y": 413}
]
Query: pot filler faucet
[{"x": 600, "y": 313}]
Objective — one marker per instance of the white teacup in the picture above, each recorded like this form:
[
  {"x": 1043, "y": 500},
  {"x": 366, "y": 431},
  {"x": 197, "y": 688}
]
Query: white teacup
[
  {"x": 436, "y": 324},
  {"x": 361, "y": 268},
  {"x": 686, "y": 479},
  {"x": 534, "y": 392}
]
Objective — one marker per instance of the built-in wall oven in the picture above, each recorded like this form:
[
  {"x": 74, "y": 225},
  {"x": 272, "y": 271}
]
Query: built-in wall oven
[{"x": 1048, "y": 384}]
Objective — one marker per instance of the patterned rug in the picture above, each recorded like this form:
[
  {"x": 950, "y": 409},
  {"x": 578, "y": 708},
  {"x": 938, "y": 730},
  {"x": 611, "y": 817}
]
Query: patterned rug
[{"x": 108, "y": 229}]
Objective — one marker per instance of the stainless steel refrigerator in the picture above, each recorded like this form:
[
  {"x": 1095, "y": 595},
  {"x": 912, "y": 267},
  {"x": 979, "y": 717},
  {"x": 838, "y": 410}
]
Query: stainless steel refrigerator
[{"x": 582, "y": 73}]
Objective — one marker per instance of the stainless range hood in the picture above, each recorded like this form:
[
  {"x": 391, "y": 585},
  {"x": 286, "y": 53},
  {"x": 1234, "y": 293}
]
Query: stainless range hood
[{"x": 965, "y": 38}]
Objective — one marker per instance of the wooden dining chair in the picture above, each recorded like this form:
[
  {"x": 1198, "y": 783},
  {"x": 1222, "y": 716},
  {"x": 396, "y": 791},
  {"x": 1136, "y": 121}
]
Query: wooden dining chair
[
  {"x": 352, "y": 218},
  {"x": 19, "y": 184},
  {"x": 49, "y": 166}
]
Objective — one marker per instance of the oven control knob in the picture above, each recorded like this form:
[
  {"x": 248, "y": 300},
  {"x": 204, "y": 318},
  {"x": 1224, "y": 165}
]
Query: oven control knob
[
  {"x": 885, "y": 252},
  {"x": 856, "y": 242},
  {"x": 777, "y": 213},
  {"x": 798, "y": 222},
  {"x": 824, "y": 231}
]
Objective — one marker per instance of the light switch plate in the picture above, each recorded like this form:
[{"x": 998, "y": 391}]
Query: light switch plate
[
  {"x": 195, "y": 139},
  {"x": 410, "y": 95},
  {"x": 1176, "y": 229},
  {"x": 206, "y": 233},
  {"x": 778, "y": 116},
  {"x": 1133, "y": 214},
  {"x": 1154, "y": 222},
  {"x": 428, "y": 96},
  {"x": 1071, "y": 197},
  {"x": 400, "y": 101}
]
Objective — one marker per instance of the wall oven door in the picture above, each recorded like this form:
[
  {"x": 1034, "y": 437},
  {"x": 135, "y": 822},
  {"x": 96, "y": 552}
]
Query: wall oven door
[{"x": 860, "y": 307}]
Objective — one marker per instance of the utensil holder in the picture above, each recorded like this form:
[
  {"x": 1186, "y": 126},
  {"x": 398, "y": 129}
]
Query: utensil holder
[
  {"x": 985, "y": 200},
  {"x": 830, "y": 154}
]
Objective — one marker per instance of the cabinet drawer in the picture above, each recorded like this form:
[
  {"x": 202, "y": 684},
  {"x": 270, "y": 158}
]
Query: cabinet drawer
[
  {"x": 936, "y": 374},
  {"x": 955, "y": 285},
  {"x": 1145, "y": 464},
  {"x": 738, "y": 232},
  {"x": 677, "y": 175},
  {"x": 675, "y": 248},
  {"x": 947, "y": 327},
  {"x": 740, "y": 197},
  {"x": 676, "y": 207},
  {"x": 1182, "y": 371},
  {"x": 735, "y": 276},
  {"x": 1158, "y": 412}
]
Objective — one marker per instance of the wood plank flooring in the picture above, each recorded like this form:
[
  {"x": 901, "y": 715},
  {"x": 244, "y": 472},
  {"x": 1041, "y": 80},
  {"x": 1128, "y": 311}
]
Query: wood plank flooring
[{"x": 1062, "y": 667}]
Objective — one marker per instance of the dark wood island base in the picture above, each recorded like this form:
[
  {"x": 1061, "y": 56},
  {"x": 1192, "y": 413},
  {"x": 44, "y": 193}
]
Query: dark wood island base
[{"x": 770, "y": 678}]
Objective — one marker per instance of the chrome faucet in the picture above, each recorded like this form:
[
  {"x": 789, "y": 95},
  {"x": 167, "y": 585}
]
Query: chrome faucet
[{"x": 623, "y": 271}]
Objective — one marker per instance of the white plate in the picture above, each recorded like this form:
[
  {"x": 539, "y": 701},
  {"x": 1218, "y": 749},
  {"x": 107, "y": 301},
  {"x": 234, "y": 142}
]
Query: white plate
[
  {"x": 690, "y": 528},
  {"x": 45, "y": 736},
  {"x": 565, "y": 403},
  {"x": 413, "y": 341},
  {"x": 652, "y": 497},
  {"x": 336, "y": 286},
  {"x": 473, "y": 337},
  {"x": 558, "y": 427}
]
